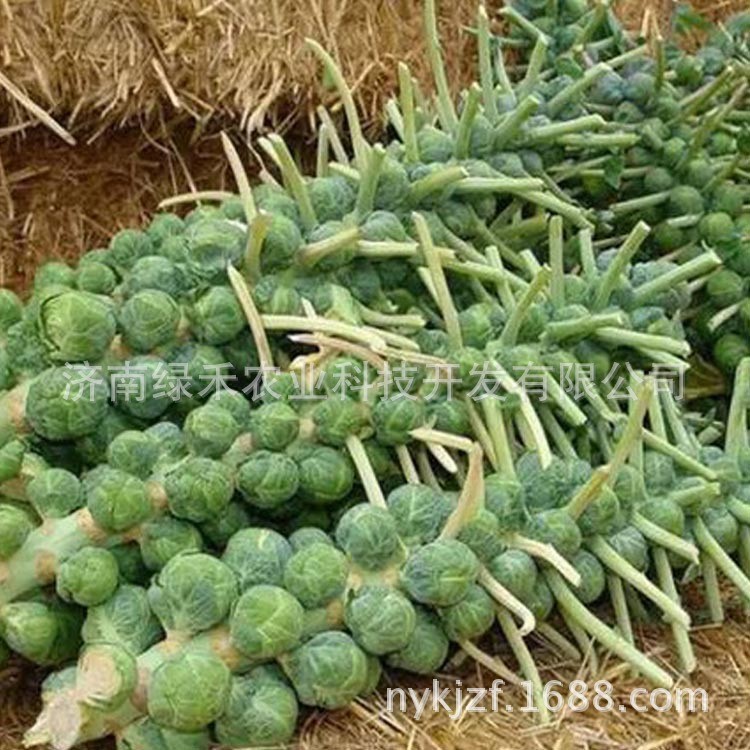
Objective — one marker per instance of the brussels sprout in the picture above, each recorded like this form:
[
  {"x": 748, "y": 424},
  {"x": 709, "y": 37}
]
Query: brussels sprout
[
  {"x": 336, "y": 419},
  {"x": 368, "y": 536},
  {"x": 155, "y": 272},
  {"x": 328, "y": 671},
  {"x": 481, "y": 323},
  {"x": 116, "y": 500},
  {"x": 274, "y": 296},
  {"x": 658, "y": 472},
  {"x": 257, "y": 556},
  {"x": 630, "y": 487},
  {"x": 556, "y": 527},
  {"x": 266, "y": 622},
  {"x": 274, "y": 200},
  {"x": 193, "y": 592},
  {"x": 728, "y": 198},
  {"x": 440, "y": 574},
  {"x": 550, "y": 487},
  {"x": 665, "y": 513},
  {"x": 482, "y": 535},
  {"x": 274, "y": 426},
  {"x": 236, "y": 403},
  {"x": 127, "y": 246},
  {"x": 470, "y": 618},
  {"x": 145, "y": 388},
  {"x": 199, "y": 489},
  {"x": 380, "y": 619},
  {"x": 542, "y": 601},
  {"x": 46, "y": 634},
  {"x": 170, "y": 438},
  {"x": 88, "y": 577},
  {"x": 125, "y": 620},
  {"x": 723, "y": 526},
  {"x": 305, "y": 536},
  {"x": 326, "y": 475},
  {"x": 600, "y": 516},
  {"x": 15, "y": 525},
  {"x": 164, "y": 225},
  {"x": 332, "y": 198},
  {"x": 149, "y": 319},
  {"x": 53, "y": 409},
  {"x": 517, "y": 571},
  {"x": 92, "y": 448},
  {"x": 267, "y": 479},
  {"x": 593, "y": 577},
  {"x": 217, "y": 316},
  {"x": 213, "y": 244},
  {"x": 11, "y": 309},
  {"x": 96, "y": 278},
  {"x": 164, "y": 538},
  {"x": 505, "y": 498},
  {"x": 26, "y": 353},
  {"x": 282, "y": 241},
  {"x": 210, "y": 431},
  {"x": 119, "y": 666},
  {"x": 145, "y": 734},
  {"x": 427, "y": 648},
  {"x": 188, "y": 691},
  {"x": 419, "y": 512},
  {"x": 261, "y": 712},
  {"x": 434, "y": 145},
  {"x": 316, "y": 573},
  {"x": 394, "y": 419},
  {"x": 134, "y": 452},
  {"x": 630, "y": 544},
  {"x": 130, "y": 565},
  {"x": 219, "y": 530}
]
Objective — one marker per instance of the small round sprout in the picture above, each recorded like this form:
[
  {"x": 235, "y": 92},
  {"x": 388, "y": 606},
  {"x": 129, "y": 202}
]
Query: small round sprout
[
  {"x": 419, "y": 511},
  {"x": 631, "y": 545},
  {"x": 164, "y": 225},
  {"x": 542, "y": 602},
  {"x": 427, "y": 648},
  {"x": 316, "y": 574},
  {"x": 12, "y": 459},
  {"x": 516, "y": 571},
  {"x": 164, "y": 538},
  {"x": 665, "y": 513},
  {"x": 199, "y": 489},
  {"x": 213, "y": 244},
  {"x": 601, "y": 515},
  {"x": 658, "y": 472},
  {"x": 326, "y": 475},
  {"x": 267, "y": 479},
  {"x": 145, "y": 734},
  {"x": 395, "y": 418},
  {"x": 189, "y": 691},
  {"x": 170, "y": 438},
  {"x": 236, "y": 403},
  {"x": 480, "y": 323},
  {"x": 210, "y": 431},
  {"x": 556, "y": 527},
  {"x": 219, "y": 530},
  {"x": 107, "y": 676},
  {"x": 337, "y": 418},
  {"x": 116, "y": 500},
  {"x": 155, "y": 272},
  {"x": 630, "y": 487},
  {"x": 471, "y": 618},
  {"x": 192, "y": 593},
  {"x": 723, "y": 526},
  {"x": 45, "y": 634},
  {"x": 217, "y": 316},
  {"x": 332, "y": 198},
  {"x": 280, "y": 244},
  {"x": 96, "y": 278},
  {"x": 328, "y": 671},
  {"x": 266, "y": 622},
  {"x": 262, "y": 712},
  {"x": 144, "y": 389},
  {"x": 450, "y": 416},
  {"x": 11, "y": 309},
  {"x": 125, "y": 619},
  {"x": 15, "y": 526},
  {"x": 92, "y": 448},
  {"x": 305, "y": 536},
  {"x": 54, "y": 412},
  {"x": 130, "y": 565},
  {"x": 275, "y": 200},
  {"x": 593, "y": 577},
  {"x": 504, "y": 497},
  {"x": 440, "y": 574},
  {"x": 149, "y": 319},
  {"x": 482, "y": 535},
  {"x": 368, "y": 535},
  {"x": 257, "y": 556},
  {"x": 54, "y": 274},
  {"x": 134, "y": 452},
  {"x": 380, "y": 618},
  {"x": 128, "y": 245},
  {"x": 274, "y": 296},
  {"x": 374, "y": 673},
  {"x": 88, "y": 577},
  {"x": 55, "y": 493},
  {"x": 274, "y": 426}
]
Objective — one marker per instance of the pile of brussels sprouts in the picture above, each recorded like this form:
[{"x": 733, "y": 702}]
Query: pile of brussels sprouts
[{"x": 261, "y": 449}]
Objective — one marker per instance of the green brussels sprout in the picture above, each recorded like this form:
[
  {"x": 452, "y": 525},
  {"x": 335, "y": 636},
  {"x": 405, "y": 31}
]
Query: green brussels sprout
[
  {"x": 267, "y": 479},
  {"x": 145, "y": 388},
  {"x": 504, "y": 497},
  {"x": 729, "y": 350},
  {"x": 729, "y": 198},
  {"x": 337, "y": 418},
  {"x": 332, "y": 198},
  {"x": 130, "y": 565},
  {"x": 189, "y": 691},
  {"x": 657, "y": 180},
  {"x": 279, "y": 387},
  {"x": 306, "y": 536},
  {"x": 7, "y": 377},
  {"x": 380, "y": 619},
  {"x": 236, "y": 403},
  {"x": 15, "y": 525},
  {"x": 11, "y": 309},
  {"x": 46, "y": 634},
  {"x": 275, "y": 200},
  {"x": 427, "y": 648},
  {"x": 280, "y": 245},
  {"x": 450, "y": 416},
  {"x": 199, "y": 488},
  {"x": 601, "y": 515},
  {"x": 593, "y": 577},
  {"x": 125, "y": 620},
  {"x": 658, "y": 472},
  {"x": 316, "y": 573},
  {"x": 257, "y": 556},
  {"x": 217, "y": 317},
  {"x": 725, "y": 287},
  {"x": 343, "y": 255},
  {"x": 175, "y": 248},
  {"x": 203, "y": 213},
  {"x": 665, "y": 513},
  {"x": 261, "y": 712},
  {"x": 685, "y": 200},
  {"x": 145, "y": 734},
  {"x": 266, "y": 622},
  {"x": 440, "y": 574},
  {"x": 482, "y": 535},
  {"x": 419, "y": 512},
  {"x": 631, "y": 545},
  {"x": 134, "y": 452},
  {"x": 556, "y": 527},
  {"x": 542, "y": 601},
  {"x": 346, "y": 377},
  {"x": 92, "y": 448},
  {"x": 193, "y": 592},
  {"x": 88, "y": 577},
  {"x": 274, "y": 426},
  {"x": 274, "y": 296},
  {"x": 164, "y": 538},
  {"x": 220, "y": 529},
  {"x": 470, "y": 618},
  {"x": 481, "y": 323},
  {"x": 434, "y": 145},
  {"x": 723, "y": 526},
  {"x": 381, "y": 460},
  {"x": 149, "y": 319},
  {"x": 25, "y": 353},
  {"x": 630, "y": 487},
  {"x": 155, "y": 272},
  {"x": 96, "y": 278},
  {"x": 382, "y": 226},
  {"x": 117, "y": 501},
  {"x": 54, "y": 274},
  {"x": 163, "y": 225},
  {"x": 517, "y": 571},
  {"x": 212, "y": 245},
  {"x": 127, "y": 246},
  {"x": 328, "y": 671},
  {"x": 368, "y": 535},
  {"x": 117, "y": 664},
  {"x": 326, "y": 475},
  {"x": 169, "y": 437},
  {"x": 395, "y": 418},
  {"x": 717, "y": 229},
  {"x": 550, "y": 487},
  {"x": 53, "y": 410},
  {"x": 210, "y": 431}
]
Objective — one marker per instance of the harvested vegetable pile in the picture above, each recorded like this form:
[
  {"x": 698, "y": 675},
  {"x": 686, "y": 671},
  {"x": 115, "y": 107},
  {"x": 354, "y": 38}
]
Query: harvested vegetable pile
[{"x": 256, "y": 452}]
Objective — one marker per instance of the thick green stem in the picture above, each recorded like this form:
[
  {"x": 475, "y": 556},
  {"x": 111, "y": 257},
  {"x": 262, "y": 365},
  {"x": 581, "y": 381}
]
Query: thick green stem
[
  {"x": 509, "y": 335},
  {"x": 666, "y": 539},
  {"x": 556, "y": 248},
  {"x": 522, "y": 22},
  {"x": 710, "y": 576},
  {"x": 559, "y": 437},
  {"x": 620, "y": 606},
  {"x": 737, "y": 440},
  {"x": 679, "y": 457},
  {"x": 493, "y": 416},
  {"x": 537, "y": 59},
  {"x": 435, "y": 181},
  {"x": 368, "y": 184},
  {"x": 240, "y": 177},
  {"x": 256, "y": 236},
  {"x": 560, "y": 330},
  {"x": 312, "y": 254},
  {"x": 509, "y": 128},
  {"x": 466, "y": 122},
  {"x": 555, "y": 130},
  {"x": 366, "y": 473},
  {"x": 505, "y": 599},
  {"x": 642, "y": 341},
  {"x": 446, "y": 111},
  {"x": 723, "y": 561},
  {"x": 485, "y": 64},
  {"x": 503, "y": 285},
  {"x": 294, "y": 180},
  {"x": 640, "y": 204},
  {"x": 699, "y": 266},
  {"x": 573, "y": 214},
  {"x": 253, "y": 317},
  {"x": 563, "y": 98},
  {"x": 485, "y": 185},
  {"x": 556, "y": 639},
  {"x": 411, "y": 146}
]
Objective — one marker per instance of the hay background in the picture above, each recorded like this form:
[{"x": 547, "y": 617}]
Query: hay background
[{"x": 90, "y": 64}]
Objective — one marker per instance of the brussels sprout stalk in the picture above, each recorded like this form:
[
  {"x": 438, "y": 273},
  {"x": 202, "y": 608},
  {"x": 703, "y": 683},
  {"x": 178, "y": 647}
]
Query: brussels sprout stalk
[
  {"x": 522, "y": 22},
  {"x": 572, "y": 90},
  {"x": 504, "y": 597},
  {"x": 498, "y": 436},
  {"x": 436, "y": 181},
  {"x": 710, "y": 575},
  {"x": 557, "y": 277},
  {"x": 666, "y": 539},
  {"x": 293, "y": 178},
  {"x": 710, "y": 547},
  {"x": 509, "y": 127},
  {"x": 240, "y": 177},
  {"x": 536, "y": 62},
  {"x": 559, "y": 330},
  {"x": 485, "y": 64},
  {"x": 254, "y": 319},
  {"x": 620, "y": 607},
  {"x": 736, "y": 439},
  {"x": 406, "y": 96},
  {"x": 257, "y": 234},
  {"x": 366, "y": 473},
  {"x": 466, "y": 122},
  {"x": 446, "y": 110},
  {"x": 699, "y": 266},
  {"x": 493, "y": 663},
  {"x": 368, "y": 184}
]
